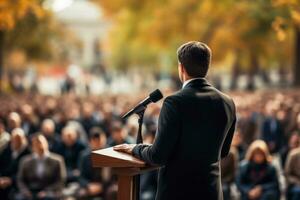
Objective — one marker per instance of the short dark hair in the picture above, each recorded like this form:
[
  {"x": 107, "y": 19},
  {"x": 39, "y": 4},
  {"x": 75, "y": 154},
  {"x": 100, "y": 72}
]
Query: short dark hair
[
  {"x": 95, "y": 133},
  {"x": 195, "y": 58}
]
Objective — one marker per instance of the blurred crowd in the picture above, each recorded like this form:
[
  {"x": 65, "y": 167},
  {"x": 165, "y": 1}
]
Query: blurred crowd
[{"x": 46, "y": 141}]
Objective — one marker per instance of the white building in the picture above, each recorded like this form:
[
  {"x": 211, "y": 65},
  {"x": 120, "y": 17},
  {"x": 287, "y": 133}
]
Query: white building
[{"x": 84, "y": 19}]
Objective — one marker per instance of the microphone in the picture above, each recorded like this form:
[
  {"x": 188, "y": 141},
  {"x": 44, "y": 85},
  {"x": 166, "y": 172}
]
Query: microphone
[{"x": 153, "y": 97}]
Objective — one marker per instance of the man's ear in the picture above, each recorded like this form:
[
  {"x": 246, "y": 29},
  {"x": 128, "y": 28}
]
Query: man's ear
[{"x": 181, "y": 68}]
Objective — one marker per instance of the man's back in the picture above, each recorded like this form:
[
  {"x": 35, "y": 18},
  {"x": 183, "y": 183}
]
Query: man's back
[{"x": 195, "y": 130}]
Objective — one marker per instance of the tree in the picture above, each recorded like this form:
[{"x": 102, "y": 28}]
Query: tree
[
  {"x": 249, "y": 30},
  {"x": 12, "y": 11},
  {"x": 292, "y": 19}
]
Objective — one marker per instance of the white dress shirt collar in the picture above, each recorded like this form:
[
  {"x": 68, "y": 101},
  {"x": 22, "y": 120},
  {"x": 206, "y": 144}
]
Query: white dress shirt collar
[{"x": 187, "y": 81}]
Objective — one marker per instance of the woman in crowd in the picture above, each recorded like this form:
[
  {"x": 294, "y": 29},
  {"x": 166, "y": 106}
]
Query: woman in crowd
[{"x": 257, "y": 178}]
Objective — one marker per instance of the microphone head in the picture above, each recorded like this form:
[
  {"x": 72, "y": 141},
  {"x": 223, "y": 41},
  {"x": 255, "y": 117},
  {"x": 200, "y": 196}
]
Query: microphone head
[{"x": 155, "y": 96}]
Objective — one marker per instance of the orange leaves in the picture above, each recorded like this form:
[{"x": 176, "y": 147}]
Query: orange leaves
[
  {"x": 13, "y": 10},
  {"x": 278, "y": 25}
]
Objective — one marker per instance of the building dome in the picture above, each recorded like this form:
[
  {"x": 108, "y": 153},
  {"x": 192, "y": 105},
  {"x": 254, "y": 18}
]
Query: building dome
[{"x": 80, "y": 11}]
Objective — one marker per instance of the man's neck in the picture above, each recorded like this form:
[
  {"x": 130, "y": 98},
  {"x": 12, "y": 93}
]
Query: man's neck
[{"x": 189, "y": 80}]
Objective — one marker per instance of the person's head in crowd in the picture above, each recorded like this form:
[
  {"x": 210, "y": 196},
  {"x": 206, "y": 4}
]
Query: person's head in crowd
[
  {"x": 97, "y": 138},
  {"x": 18, "y": 140},
  {"x": 69, "y": 136},
  {"x": 73, "y": 112},
  {"x": 258, "y": 152},
  {"x": 271, "y": 108},
  {"x": 87, "y": 110},
  {"x": 294, "y": 140},
  {"x": 13, "y": 121},
  {"x": 193, "y": 60},
  {"x": 118, "y": 133},
  {"x": 48, "y": 128},
  {"x": 27, "y": 112},
  {"x": 39, "y": 144},
  {"x": 132, "y": 125}
]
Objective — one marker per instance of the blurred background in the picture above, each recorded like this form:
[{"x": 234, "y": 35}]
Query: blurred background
[{"x": 70, "y": 68}]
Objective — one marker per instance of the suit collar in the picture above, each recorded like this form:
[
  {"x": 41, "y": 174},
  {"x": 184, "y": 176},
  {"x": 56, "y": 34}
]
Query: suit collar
[{"x": 198, "y": 82}]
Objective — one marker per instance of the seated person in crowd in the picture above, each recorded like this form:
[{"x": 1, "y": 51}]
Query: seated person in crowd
[
  {"x": 91, "y": 179},
  {"x": 41, "y": 174},
  {"x": 292, "y": 172},
  {"x": 149, "y": 179},
  {"x": 257, "y": 178},
  {"x": 9, "y": 162},
  {"x": 272, "y": 131},
  {"x": 237, "y": 143},
  {"x": 229, "y": 167},
  {"x": 119, "y": 135},
  {"x": 48, "y": 130},
  {"x": 4, "y": 137},
  {"x": 294, "y": 142},
  {"x": 13, "y": 121},
  {"x": 88, "y": 119},
  {"x": 30, "y": 122},
  {"x": 70, "y": 149}
]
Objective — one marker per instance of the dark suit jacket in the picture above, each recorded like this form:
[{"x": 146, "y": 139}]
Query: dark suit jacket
[
  {"x": 87, "y": 172},
  {"x": 51, "y": 180},
  {"x": 9, "y": 165},
  {"x": 194, "y": 132}
]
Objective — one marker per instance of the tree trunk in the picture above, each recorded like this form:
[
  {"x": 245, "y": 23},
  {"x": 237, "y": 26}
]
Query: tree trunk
[
  {"x": 1, "y": 58},
  {"x": 253, "y": 70},
  {"x": 297, "y": 58},
  {"x": 235, "y": 72}
]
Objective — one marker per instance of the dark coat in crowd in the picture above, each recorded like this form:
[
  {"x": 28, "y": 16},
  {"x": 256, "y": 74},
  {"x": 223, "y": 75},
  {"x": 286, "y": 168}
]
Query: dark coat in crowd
[
  {"x": 195, "y": 130},
  {"x": 272, "y": 133},
  {"x": 87, "y": 172},
  {"x": 53, "y": 142},
  {"x": 71, "y": 154},
  {"x": 48, "y": 177},
  {"x": 9, "y": 165},
  {"x": 264, "y": 175}
]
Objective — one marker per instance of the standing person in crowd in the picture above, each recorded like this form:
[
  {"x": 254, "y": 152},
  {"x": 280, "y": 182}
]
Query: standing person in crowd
[
  {"x": 292, "y": 172},
  {"x": 41, "y": 174},
  {"x": 48, "y": 130},
  {"x": 257, "y": 178},
  {"x": 91, "y": 179},
  {"x": 9, "y": 162},
  {"x": 70, "y": 149}
]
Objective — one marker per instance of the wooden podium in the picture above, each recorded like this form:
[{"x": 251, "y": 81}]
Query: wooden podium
[{"x": 125, "y": 167}]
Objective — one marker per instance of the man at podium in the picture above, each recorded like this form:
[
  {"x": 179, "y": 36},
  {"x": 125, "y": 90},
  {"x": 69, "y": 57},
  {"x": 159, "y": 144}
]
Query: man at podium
[{"x": 195, "y": 129}]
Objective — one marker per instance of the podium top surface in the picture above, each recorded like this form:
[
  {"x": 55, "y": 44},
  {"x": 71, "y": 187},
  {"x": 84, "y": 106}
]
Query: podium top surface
[{"x": 111, "y": 158}]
